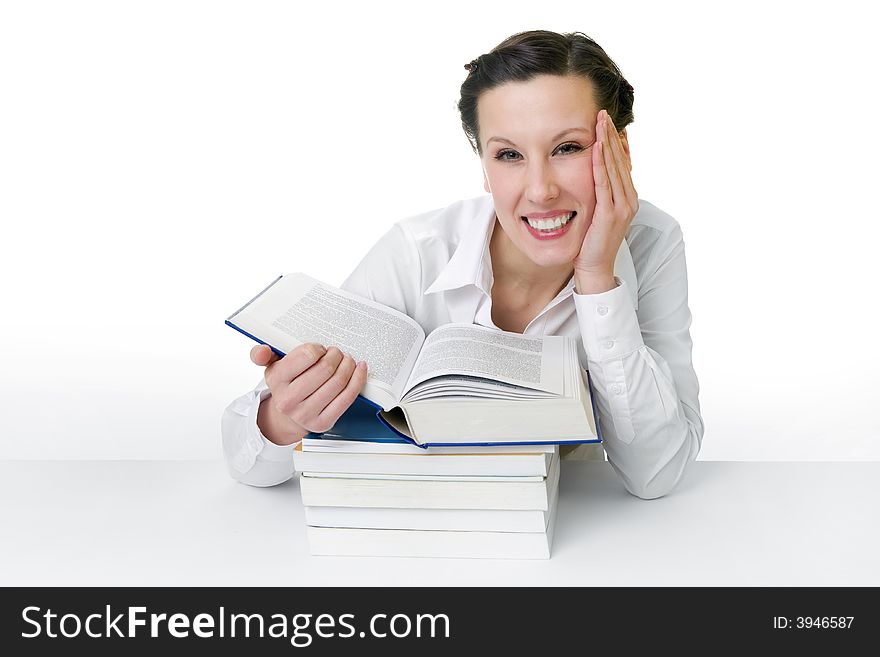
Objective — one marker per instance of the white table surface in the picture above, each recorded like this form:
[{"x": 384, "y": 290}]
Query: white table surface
[{"x": 182, "y": 523}]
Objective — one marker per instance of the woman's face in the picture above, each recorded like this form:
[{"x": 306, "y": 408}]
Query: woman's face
[{"x": 536, "y": 138}]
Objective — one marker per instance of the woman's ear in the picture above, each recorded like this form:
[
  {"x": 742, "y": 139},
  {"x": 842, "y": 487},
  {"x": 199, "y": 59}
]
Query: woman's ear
[{"x": 625, "y": 141}]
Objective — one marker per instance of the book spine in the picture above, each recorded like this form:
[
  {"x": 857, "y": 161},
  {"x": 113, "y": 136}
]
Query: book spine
[
  {"x": 428, "y": 465},
  {"x": 437, "y": 544},
  {"x": 427, "y": 519},
  {"x": 320, "y": 491}
]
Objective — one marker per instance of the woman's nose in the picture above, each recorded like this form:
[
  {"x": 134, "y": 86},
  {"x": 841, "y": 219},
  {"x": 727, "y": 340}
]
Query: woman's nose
[{"x": 541, "y": 185}]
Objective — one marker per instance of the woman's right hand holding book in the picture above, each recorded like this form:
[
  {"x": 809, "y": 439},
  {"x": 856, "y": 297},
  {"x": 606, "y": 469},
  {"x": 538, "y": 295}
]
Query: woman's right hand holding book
[{"x": 312, "y": 386}]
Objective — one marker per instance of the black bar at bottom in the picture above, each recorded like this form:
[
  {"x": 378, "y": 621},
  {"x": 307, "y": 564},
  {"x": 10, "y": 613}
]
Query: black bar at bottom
[{"x": 435, "y": 620}]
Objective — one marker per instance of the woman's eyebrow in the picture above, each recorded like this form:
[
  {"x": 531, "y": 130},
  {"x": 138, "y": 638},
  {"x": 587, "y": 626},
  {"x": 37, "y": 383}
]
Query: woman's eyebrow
[{"x": 554, "y": 138}]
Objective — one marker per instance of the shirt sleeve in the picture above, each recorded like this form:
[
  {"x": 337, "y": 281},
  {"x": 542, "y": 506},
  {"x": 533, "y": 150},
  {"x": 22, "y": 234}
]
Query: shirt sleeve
[
  {"x": 645, "y": 387},
  {"x": 250, "y": 457}
]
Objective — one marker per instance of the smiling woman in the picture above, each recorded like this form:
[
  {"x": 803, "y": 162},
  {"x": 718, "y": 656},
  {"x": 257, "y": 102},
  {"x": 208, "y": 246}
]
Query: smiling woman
[{"x": 561, "y": 245}]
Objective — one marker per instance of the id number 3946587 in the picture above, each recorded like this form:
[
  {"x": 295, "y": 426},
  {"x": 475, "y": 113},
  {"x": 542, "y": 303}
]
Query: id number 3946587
[{"x": 813, "y": 622}]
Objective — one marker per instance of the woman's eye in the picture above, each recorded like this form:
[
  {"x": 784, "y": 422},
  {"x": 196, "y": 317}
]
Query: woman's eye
[
  {"x": 503, "y": 155},
  {"x": 570, "y": 148}
]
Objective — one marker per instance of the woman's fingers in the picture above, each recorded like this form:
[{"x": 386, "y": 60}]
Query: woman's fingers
[
  {"x": 321, "y": 409},
  {"x": 311, "y": 385},
  {"x": 344, "y": 398},
  {"x": 610, "y": 140},
  {"x": 306, "y": 383},
  {"x": 281, "y": 372},
  {"x": 616, "y": 201},
  {"x": 616, "y": 145},
  {"x": 600, "y": 173},
  {"x": 317, "y": 401},
  {"x": 621, "y": 164}
]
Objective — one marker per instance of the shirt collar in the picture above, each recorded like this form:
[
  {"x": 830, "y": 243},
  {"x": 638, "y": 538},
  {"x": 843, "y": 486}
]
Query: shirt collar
[{"x": 470, "y": 264}]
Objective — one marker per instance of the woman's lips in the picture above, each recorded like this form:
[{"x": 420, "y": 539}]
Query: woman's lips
[{"x": 550, "y": 234}]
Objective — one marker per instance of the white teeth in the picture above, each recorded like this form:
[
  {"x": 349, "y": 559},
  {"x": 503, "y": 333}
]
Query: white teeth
[{"x": 550, "y": 224}]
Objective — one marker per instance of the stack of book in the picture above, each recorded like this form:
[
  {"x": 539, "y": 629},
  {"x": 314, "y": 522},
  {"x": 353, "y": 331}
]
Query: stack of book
[
  {"x": 451, "y": 449},
  {"x": 396, "y": 499}
]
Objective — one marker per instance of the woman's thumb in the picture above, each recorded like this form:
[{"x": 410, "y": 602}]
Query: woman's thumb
[{"x": 261, "y": 355}]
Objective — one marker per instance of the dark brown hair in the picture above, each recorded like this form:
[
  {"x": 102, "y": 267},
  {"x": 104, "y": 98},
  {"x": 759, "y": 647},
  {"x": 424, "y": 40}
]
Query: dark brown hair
[{"x": 523, "y": 56}]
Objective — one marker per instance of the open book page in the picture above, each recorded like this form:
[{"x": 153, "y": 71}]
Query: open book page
[
  {"x": 460, "y": 385},
  {"x": 299, "y": 309},
  {"x": 476, "y": 351}
]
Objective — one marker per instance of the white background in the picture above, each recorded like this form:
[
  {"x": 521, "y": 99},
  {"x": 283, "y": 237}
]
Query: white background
[{"x": 160, "y": 162}]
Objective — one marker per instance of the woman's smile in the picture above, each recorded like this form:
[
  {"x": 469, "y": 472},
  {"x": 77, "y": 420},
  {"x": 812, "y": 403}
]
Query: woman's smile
[{"x": 550, "y": 228}]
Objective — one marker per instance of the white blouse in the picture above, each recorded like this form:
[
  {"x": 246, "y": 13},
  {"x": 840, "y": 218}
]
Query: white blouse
[{"x": 634, "y": 340}]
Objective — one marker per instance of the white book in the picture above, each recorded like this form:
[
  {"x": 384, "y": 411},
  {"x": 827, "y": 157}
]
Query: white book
[
  {"x": 484, "y": 520},
  {"x": 494, "y": 464},
  {"x": 337, "y": 541},
  {"x": 421, "y": 477},
  {"x": 430, "y": 493},
  {"x": 460, "y": 384}
]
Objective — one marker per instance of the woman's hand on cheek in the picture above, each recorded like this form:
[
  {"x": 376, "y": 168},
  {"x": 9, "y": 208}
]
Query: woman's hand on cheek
[{"x": 616, "y": 205}]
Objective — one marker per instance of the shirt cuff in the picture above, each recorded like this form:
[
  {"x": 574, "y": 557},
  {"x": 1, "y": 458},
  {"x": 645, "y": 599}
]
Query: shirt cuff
[
  {"x": 609, "y": 324},
  {"x": 268, "y": 451}
]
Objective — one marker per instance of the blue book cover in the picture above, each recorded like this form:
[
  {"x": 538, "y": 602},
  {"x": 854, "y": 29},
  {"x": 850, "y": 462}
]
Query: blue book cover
[{"x": 361, "y": 421}]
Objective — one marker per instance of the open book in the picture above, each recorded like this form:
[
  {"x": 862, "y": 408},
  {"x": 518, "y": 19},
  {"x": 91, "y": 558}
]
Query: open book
[{"x": 461, "y": 384}]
